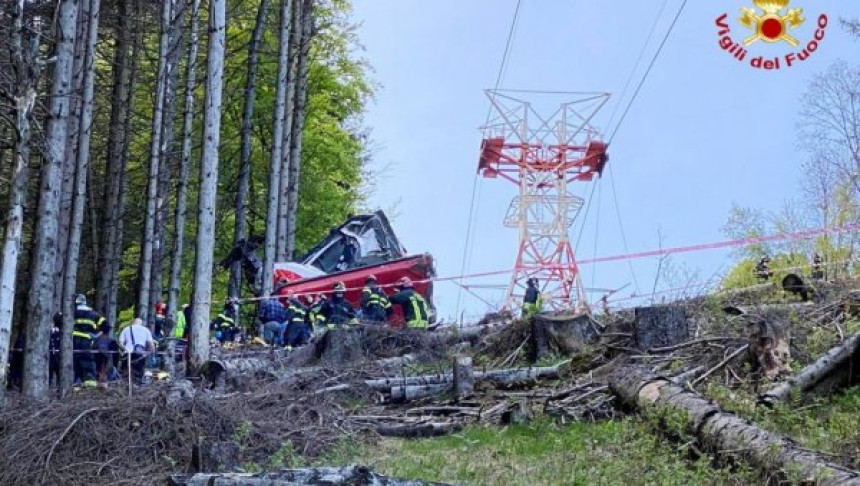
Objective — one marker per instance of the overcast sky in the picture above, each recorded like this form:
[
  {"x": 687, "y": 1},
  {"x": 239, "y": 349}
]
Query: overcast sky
[{"x": 705, "y": 131}]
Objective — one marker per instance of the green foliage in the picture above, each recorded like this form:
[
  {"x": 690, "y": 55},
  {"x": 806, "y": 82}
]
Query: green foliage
[
  {"x": 614, "y": 452},
  {"x": 743, "y": 273}
]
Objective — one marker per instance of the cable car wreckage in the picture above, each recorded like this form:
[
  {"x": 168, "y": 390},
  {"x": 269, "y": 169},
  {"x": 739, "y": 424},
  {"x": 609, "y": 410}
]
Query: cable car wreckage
[{"x": 364, "y": 245}]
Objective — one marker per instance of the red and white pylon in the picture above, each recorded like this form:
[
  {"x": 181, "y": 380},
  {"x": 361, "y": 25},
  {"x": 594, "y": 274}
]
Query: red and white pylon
[{"x": 542, "y": 154}]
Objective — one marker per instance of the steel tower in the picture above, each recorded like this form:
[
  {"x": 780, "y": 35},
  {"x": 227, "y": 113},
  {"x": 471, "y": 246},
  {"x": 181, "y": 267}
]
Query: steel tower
[{"x": 541, "y": 153}]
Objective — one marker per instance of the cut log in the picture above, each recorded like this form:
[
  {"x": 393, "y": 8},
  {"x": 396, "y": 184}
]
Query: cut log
[
  {"x": 418, "y": 430},
  {"x": 769, "y": 346},
  {"x": 464, "y": 381},
  {"x": 835, "y": 369},
  {"x": 416, "y": 392},
  {"x": 387, "y": 383},
  {"x": 566, "y": 335},
  {"x": 500, "y": 377},
  {"x": 660, "y": 326},
  {"x": 725, "y": 434},
  {"x": 349, "y": 475}
]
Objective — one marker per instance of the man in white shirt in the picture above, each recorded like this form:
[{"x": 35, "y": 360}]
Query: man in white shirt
[{"x": 137, "y": 341}]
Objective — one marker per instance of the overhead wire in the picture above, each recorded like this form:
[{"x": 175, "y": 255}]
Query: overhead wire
[
  {"x": 624, "y": 117},
  {"x": 475, "y": 184}
]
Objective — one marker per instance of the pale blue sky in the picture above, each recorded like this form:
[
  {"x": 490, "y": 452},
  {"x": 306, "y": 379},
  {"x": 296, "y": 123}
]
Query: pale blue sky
[{"x": 705, "y": 131}]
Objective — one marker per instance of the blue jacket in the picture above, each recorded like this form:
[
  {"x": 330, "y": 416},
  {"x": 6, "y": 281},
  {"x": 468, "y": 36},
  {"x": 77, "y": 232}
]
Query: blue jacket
[{"x": 271, "y": 310}]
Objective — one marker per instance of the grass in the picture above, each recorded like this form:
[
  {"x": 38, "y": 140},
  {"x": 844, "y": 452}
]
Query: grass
[
  {"x": 613, "y": 452},
  {"x": 827, "y": 424}
]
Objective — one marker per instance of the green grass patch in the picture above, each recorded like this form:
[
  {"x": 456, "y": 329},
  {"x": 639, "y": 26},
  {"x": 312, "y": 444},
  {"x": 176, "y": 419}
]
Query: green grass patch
[
  {"x": 827, "y": 424},
  {"x": 543, "y": 453}
]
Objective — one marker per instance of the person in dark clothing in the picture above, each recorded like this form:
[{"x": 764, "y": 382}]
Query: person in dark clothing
[
  {"x": 316, "y": 319},
  {"x": 16, "y": 363},
  {"x": 337, "y": 310},
  {"x": 298, "y": 332},
  {"x": 817, "y": 272},
  {"x": 105, "y": 348},
  {"x": 414, "y": 307},
  {"x": 375, "y": 306},
  {"x": 272, "y": 314},
  {"x": 532, "y": 302},
  {"x": 54, "y": 350},
  {"x": 160, "y": 320},
  {"x": 87, "y": 324},
  {"x": 224, "y": 324},
  {"x": 762, "y": 269}
]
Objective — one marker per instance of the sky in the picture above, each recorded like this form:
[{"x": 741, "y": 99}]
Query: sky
[{"x": 706, "y": 130}]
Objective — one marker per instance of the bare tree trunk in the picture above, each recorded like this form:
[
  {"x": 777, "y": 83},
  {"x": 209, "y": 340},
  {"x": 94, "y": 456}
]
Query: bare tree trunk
[
  {"x": 40, "y": 298},
  {"x": 128, "y": 127},
  {"x": 81, "y": 167},
  {"x": 182, "y": 182},
  {"x": 166, "y": 168},
  {"x": 71, "y": 150},
  {"x": 234, "y": 289},
  {"x": 289, "y": 119},
  {"x": 23, "y": 63},
  {"x": 202, "y": 293},
  {"x": 298, "y": 125},
  {"x": 155, "y": 150},
  {"x": 117, "y": 139},
  {"x": 277, "y": 147}
]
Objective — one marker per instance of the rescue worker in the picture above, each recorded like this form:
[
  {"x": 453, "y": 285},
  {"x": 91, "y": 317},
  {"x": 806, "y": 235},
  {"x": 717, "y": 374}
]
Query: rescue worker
[
  {"x": 87, "y": 324},
  {"x": 412, "y": 303},
  {"x": 160, "y": 320},
  {"x": 337, "y": 310},
  {"x": 316, "y": 318},
  {"x": 375, "y": 306},
  {"x": 532, "y": 301},
  {"x": 106, "y": 354},
  {"x": 762, "y": 269},
  {"x": 817, "y": 272},
  {"x": 297, "y": 332},
  {"x": 271, "y": 314},
  {"x": 224, "y": 325},
  {"x": 183, "y": 317}
]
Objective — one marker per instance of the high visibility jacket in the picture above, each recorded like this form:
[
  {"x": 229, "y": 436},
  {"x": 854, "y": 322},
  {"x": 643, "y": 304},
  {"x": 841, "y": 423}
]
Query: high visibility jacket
[
  {"x": 87, "y": 322},
  {"x": 414, "y": 308},
  {"x": 223, "y": 321},
  {"x": 297, "y": 313},
  {"x": 179, "y": 328},
  {"x": 316, "y": 318},
  {"x": 532, "y": 302},
  {"x": 375, "y": 305}
]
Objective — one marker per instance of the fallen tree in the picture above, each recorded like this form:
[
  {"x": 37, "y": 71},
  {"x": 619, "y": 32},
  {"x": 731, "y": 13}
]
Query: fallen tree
[
  {"x": 725, "y": 434},
  {"x": 349, "y": 475},
  {"x": 835, "y": 369}
]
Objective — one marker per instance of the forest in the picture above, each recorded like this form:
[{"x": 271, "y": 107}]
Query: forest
[{"x": 141, "y": 140}]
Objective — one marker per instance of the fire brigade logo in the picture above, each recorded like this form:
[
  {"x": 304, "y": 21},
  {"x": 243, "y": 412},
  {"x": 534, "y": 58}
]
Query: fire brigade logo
[{"x": 772, "y": 25}]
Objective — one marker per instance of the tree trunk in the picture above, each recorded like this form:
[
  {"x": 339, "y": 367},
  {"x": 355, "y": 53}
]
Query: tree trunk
[
  {"x": 128, "y": 127},
  {"x": 166, "y": 166},
  {"x": 202, "y": 293},
  {"x": 155, "y": 151},
  {"x": 277, "y": 147},
  {"x": 23, "y": 57},
  {"x": 81, "y": 164},
  {"x": 839, "y": 357},
  {"x": 116, "y": 163},
  {"x": 298, "y": 125},
  {"x": 726, "y": 434},
  {"x": 240, "y": 232},
  {"x": 182, "y": 183},
  {"x": 294, "y": 42},
  {"x": 71, "y": 149},
  {"x": 40, "y": 299}
]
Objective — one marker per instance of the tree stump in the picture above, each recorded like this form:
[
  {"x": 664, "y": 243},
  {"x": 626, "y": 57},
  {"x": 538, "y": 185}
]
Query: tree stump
[
  {"x": 339, "y": 347},
  {"x": 769, "y": 346},
  {"x": 215, "y": 457},
  {"x": 566, "y": 335},
  {"x": 464, "y": 381},
  {"x": 659, "y": 326}
]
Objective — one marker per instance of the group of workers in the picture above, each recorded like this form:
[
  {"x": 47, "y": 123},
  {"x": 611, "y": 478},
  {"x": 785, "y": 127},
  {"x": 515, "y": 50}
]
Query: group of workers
[
  {"x": 764, "y": 273},
  {"x": 292, "y": 323}
]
